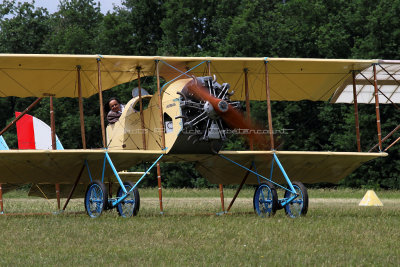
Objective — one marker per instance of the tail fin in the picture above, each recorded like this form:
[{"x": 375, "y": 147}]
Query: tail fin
[{"x": 34, "y": 134}]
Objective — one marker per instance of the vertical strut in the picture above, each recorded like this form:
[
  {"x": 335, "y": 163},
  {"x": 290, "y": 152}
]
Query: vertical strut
[
  {"x": 101, "y": 102},
  {"x": 221, "y": 193},
  {"x": 356, "y": 113},
  {"x": 141, "y": 110},
  {"x": 159, "y": 187},
  {"x": 378, "y": 117},
  {"x": 1, "y": 200},
  {"x": 221, "y": 186},
  {"x": 271, "y": 130},
  {"x": 81, "y": 117},
  {"x": 52, "y": 125},
  {"x": 246, "y": 87},
  {"x": 209, "y": 67},
  {"x": 160, "y": 105},
  {"x": 58, "y": 196},
  {"x": 54, "y": 146}
]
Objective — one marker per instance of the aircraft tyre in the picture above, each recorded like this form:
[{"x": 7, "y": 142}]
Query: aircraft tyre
[
  {"x": 299, "y": 206},
  {"x": 265, "y": 200},
  {"x": 96, "y": 198},
  {"x": 130, "y": 205}
]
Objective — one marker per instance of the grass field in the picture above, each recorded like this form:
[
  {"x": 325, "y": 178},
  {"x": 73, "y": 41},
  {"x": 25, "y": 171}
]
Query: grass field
[{"x": 336, "y": 231}]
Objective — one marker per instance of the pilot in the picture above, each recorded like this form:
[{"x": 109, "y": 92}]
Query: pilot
[{"x": 116, "y": 108}]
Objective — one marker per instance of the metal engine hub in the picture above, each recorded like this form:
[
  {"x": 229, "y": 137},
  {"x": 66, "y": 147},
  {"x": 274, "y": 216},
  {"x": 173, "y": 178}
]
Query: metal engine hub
[{"x": 201, "y": 122}]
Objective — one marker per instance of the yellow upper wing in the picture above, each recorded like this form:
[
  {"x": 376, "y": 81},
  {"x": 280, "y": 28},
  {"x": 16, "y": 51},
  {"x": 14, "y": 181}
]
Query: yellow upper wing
[{"x": 25, "y": 75}]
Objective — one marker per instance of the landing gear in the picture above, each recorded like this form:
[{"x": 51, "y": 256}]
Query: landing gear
[
  {"x": 299, "y": 205},
  {"x": 96, "y": 199},
  {"x": 265, "y": 200},
  {"x": 130, "y": 205}
]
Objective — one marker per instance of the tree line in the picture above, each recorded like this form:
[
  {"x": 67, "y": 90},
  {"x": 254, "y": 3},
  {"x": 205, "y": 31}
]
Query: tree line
[{"x": 294, "y": 28}]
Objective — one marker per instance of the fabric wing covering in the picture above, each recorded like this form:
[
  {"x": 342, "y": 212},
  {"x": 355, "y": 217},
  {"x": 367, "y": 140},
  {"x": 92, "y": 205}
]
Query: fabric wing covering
[
  {"x": 63, "y": 166},
  {"x": 304, "y": 166},
  {"x": 25, "y": 75}
]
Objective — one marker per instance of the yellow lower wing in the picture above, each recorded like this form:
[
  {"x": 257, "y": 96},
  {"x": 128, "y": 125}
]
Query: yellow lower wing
[
  {"x": 304, "y": 166},
  {"x": 63, "y": 166}
]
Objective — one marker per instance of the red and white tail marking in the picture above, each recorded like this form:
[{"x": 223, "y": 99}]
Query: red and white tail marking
[{"x": 34, "y": 133}]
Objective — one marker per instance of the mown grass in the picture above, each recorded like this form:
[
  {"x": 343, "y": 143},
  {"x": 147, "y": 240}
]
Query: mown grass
[
  {"x": 247, "y": 192},
  {"x": 336, "y": 231}
]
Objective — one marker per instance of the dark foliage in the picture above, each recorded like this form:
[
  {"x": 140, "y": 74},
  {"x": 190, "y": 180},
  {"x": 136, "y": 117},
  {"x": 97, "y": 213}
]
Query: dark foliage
[{"x": 293, "y": 28}]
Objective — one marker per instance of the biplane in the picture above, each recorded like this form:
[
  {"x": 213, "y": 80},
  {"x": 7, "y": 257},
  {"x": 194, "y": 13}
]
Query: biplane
[{"x": 188, "y": 118}]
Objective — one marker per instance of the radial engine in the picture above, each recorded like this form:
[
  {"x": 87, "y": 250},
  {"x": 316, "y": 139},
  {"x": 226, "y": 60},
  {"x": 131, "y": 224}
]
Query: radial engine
[{"x": 204, "y": 128}]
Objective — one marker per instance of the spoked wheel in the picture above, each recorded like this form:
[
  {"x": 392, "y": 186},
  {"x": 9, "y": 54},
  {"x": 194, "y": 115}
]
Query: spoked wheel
[
  {"x": 265, "y": 200},
  {"x": 96, "y": 199},
  {"x": 298, "y": 206},
  {"x": 131, "y": 204}
]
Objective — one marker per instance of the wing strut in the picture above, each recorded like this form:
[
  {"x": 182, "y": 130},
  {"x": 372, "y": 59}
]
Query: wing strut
[
  {"x": 291, "y": 189},
  {"x": 74, "y": 187},
  {"x": 263, "y": 177},
  {"x": 1, "y": 200},
  {"x": 118, "y": 200},
  {"x": 271, "y": 131},
  {"x": 240, "y": 188},
  {"x": 100, "y": 86},
  {"x": 159, "y": 187},
  {"x": 97, "y": 187},
  {"x": 20, "y": 115}
]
